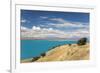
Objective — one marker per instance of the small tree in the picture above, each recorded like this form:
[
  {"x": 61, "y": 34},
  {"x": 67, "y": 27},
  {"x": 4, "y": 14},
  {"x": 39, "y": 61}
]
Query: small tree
[
  {"x": 82, "y": 41},
  {"x": 43, "y": 54},
  {"x": 35, "y": 58},
  {"x": 69, "y": 44}
]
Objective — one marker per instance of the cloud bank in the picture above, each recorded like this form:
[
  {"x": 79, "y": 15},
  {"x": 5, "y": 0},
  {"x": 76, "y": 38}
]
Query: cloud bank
[
  {"x": 63, "y": 29},
  {"x": 50, "y": 33}
]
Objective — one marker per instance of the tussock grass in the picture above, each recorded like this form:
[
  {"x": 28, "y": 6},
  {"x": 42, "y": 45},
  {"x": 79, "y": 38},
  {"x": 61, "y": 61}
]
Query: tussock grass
[{"x": 66, "y": 52}]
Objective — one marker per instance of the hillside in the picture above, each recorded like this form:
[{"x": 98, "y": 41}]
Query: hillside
[{"x": 67, "y": 52}]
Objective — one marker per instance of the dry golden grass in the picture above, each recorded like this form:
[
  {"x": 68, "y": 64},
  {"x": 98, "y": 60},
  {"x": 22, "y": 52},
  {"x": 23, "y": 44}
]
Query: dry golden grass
[{"x": 66, "y": 52}]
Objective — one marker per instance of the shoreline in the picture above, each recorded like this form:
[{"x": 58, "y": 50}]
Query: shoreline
[
  {"x": 62, "y": 53},
  {"x": 48, "y": 39}
]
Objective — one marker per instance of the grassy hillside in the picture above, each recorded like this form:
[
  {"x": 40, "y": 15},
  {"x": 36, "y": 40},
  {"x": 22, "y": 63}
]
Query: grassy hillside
[{"x": 67, "y": 52}]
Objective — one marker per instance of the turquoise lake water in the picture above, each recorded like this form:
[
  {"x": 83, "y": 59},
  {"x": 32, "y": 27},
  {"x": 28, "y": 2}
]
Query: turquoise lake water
[{"x": 34, "y": 48}]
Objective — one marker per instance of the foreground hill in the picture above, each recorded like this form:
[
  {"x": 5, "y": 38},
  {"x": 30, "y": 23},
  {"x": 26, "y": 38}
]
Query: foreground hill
[
  {"x": 67, "y": 52},
  {"x": 64, "y": 53}
]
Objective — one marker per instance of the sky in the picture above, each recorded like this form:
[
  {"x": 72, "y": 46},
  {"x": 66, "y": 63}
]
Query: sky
[{"x": 52, "y": 24}]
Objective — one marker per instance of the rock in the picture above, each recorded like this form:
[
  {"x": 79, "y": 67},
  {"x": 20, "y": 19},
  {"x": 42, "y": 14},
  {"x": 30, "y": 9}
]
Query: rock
[{"x": 82, "y": 41}]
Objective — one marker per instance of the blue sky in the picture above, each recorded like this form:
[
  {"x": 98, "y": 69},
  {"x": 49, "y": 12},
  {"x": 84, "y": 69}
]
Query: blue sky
[
  {"x": 66, "y": 22},
  {"x": 35, "y": 17}
]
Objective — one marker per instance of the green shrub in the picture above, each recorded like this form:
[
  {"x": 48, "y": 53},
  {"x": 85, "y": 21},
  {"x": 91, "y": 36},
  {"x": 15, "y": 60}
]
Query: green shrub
[
  {"x": 35, "y": 58},
  {"x": 82, "y": 41}
]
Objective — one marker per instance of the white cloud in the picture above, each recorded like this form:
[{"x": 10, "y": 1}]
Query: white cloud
[
  {"x": 46, "y": 33},
  {"x": 64, "y": 23},
  {"x": 58, "y": 19},
  {"x": 49, "y": 31},
  {"x": 43, "y": 17},
  {"x": 70, "y": 25},
  {"x": 23, "y": 28},
  {"x": 36, "y": 28},
  {"x": 23, "y": 20},
  {"x": 37, "y": 32}
]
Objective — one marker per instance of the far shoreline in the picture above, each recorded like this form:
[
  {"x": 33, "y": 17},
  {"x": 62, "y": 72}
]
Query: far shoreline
[{"x": 50, "y": 39}]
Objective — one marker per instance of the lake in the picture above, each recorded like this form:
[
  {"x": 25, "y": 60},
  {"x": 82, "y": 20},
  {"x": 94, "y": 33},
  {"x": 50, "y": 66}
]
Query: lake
[{"x": 34, "y": 48}]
